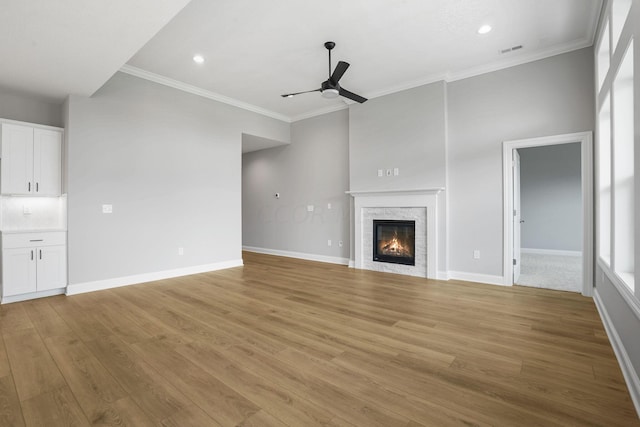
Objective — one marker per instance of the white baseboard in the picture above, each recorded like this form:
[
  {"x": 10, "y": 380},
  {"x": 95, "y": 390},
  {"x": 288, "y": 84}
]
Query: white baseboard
[
  {"x": 299, "y": 255},
  {"x": 550, "y": 252},
  {"x": 32, "y": 295},
  {"x": 98, "y": 285},
  {"x": 352, "y": 264},
  {"x": 479, "y": 278},
  {"x": 628, "y": 371},
  {"x": 443, "y": 275}
]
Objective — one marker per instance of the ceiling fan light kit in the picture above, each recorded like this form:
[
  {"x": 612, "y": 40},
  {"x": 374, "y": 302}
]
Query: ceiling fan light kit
[
  {"x": 330, "y": 88},
  {"x": 330, "y": 93}
]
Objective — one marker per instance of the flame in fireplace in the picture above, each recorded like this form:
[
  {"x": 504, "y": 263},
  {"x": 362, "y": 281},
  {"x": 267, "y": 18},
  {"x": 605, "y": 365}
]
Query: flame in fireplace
[{"x": 395, "y": 247}]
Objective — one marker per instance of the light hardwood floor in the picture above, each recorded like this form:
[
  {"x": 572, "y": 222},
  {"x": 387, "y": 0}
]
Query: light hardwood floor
[{"x": 283, "y": 342}]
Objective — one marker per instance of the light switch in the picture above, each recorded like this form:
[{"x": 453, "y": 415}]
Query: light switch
[
  {"x": 396, "y": 171},
  {"x": 380, "y": 172},
  {"x": 107, "y": 209},
  {"x": 309, "y": 208},
  {"x": 328, "y": 205},
  {"x": 27, "y": 210}
]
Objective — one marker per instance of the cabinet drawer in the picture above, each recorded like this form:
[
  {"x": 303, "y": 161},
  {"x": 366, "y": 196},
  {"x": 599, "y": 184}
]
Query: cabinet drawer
[{"x": 29, "y": 240}]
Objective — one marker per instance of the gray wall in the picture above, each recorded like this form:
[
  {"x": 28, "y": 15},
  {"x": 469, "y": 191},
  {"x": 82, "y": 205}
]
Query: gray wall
[
  {"x": 547, "y": 97},
  {"x": 169, "y": 163},
  {"x": 27, "y": 108},
  {"x": 551, "y": 197},
  {"x": 404, "y": 130},
  {"x": 312, "y": 170}
]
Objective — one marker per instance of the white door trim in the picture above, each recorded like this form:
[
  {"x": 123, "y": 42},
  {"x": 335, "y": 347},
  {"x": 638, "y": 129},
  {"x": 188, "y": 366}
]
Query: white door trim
[{"x": 586, "y": 143}]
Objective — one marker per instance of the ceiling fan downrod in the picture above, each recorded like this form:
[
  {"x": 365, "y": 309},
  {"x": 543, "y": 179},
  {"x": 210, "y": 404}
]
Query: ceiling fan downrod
[{"x": 329, "y": 46}]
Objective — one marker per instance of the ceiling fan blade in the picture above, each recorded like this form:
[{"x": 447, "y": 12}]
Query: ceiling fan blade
[
  {"x": 287, "y": 95},
  {"x": 351, "y": 95},
  {"x": 339, "y": 71}
]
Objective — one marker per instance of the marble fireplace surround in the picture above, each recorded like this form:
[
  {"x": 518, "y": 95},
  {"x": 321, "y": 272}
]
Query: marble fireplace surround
[{"x": 420, "y": 205}]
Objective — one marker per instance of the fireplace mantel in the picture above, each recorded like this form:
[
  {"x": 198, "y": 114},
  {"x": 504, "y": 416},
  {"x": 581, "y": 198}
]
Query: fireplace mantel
[
  {"x": 434, "y": 191},
  {"x": 366, "y": 201}
]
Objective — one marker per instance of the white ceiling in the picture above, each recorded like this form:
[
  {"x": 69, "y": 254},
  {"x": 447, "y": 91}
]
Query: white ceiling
[
  {"x": 256, "y": 50},
  {"x": 53, "y": 48}
]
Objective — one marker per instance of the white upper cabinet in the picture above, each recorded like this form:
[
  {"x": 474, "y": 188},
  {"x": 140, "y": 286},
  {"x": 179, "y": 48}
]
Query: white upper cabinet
[
  {"x": 17, "y": 159},
  {"x": 47, "y": 162},
  {"x": 31, "y": 160}
]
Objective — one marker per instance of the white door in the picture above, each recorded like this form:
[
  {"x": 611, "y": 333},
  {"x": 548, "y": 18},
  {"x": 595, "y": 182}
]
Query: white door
[
  {"x": 52, "y": 267},
  {"x": 516, "y": 216},
  {"x": 17, "y": 159},
  {"x": 19, "y": 275},
  {"x": 47, "y": 162}
]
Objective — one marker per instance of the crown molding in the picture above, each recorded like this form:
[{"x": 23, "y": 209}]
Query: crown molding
[
  {"x": 519, "y": 60},
  {"x": 447, "y": 77},
  {"x": 464, "y": 74},
  {"x": 319, "y": 112},
  {"x": 185, "y": 87},
  {"x": 409, "y": 85}
]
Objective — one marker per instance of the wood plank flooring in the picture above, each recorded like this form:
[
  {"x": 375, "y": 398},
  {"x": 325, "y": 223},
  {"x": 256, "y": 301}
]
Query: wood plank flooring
[{"x": 284, "y": 342}]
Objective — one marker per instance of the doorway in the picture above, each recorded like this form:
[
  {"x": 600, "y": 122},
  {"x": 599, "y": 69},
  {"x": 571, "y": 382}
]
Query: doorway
[{"x": 555, "y": 248}]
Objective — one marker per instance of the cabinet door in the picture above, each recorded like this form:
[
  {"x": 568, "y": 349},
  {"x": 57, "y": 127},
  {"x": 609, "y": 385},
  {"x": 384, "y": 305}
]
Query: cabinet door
[
  {"x": 47, "y": 162},
  {"x": 19, "y": 271},
  {"x": 16, "y": 173},
  {"x": 52, "y": 267}
]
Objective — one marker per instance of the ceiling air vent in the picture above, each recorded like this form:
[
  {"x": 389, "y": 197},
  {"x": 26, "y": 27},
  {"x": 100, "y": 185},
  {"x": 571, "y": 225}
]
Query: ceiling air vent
[{"x": 511, "y": 49}]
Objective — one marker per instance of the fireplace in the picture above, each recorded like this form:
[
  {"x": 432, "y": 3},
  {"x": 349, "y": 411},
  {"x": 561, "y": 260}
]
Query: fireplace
[
  {"x": 394, "y": 241},
  {"x": 420, "y": 206}
]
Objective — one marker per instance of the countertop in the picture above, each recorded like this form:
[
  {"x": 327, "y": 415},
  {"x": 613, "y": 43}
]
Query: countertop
[{"x": 39, "y": 230}]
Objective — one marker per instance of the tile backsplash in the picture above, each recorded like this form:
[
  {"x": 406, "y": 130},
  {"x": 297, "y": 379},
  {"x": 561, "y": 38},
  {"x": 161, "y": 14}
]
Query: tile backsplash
[{"x": 33, "y": 213}]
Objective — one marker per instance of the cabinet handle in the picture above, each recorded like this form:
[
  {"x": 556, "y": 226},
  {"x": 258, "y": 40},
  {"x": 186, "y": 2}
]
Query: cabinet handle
[
  {"x": 37, "y": 187},
  {"x": 29, "y": 185},
  {"x": 31, "y": 254},
  {"x": 36, "y": 240},
  {"x": 40, "y": 253}
]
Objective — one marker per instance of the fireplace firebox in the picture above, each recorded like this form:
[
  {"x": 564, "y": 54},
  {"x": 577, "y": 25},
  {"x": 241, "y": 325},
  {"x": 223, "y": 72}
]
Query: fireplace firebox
[{"x": 394, "y": 241}]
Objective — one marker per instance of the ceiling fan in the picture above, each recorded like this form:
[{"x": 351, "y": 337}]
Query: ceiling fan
[{"x": 331, "y": 88}]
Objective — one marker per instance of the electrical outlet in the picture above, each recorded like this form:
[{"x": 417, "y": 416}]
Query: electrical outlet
[
  {"x": 476, "y": 254},
  {"x": 107, "y": 209},
  {"x": 180, "y": 251},
  {"x": 396, "y": 171},
  {"x": 26, "y": 210},
  {"x": 309, "y": 208},
  {"x": 329, "y": 242},
  {"x": 328, "y": 205}
]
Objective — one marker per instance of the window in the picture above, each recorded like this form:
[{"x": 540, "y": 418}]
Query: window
[
  {"x": 603, "y": 57},
  {"x": 619, "y": 12},
  {"x": 604, "y": 181},
  {"x": 623, "y": 173}
]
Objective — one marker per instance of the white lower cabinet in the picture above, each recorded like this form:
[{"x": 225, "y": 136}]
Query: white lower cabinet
[{"x": 32, "y": 263}]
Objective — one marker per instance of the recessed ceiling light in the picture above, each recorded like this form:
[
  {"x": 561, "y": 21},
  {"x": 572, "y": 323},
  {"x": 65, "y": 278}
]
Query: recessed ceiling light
[
  {"x": 198, "y": 59},
  {"x": 484, "y": 29}
]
